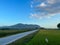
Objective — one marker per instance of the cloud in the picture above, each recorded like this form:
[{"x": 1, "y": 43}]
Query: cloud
[
  {"x": 51, "y": 1},
  {"x": 35, "y": 16},
  {"x": 43, "y": 5},
  {"x": 46, "y": 8}
]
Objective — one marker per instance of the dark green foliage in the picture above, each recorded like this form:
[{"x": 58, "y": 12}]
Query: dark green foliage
[
  {"x": 58, "y": 25},
  {"x": 5, "y": 29}
]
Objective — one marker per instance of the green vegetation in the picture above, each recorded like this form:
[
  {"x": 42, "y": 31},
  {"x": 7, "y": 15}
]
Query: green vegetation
[
  {"x": 38, "y": 38},
  {"x": 4, "y": 33},
  {"x": 58, "y": 25},
  {"x": 52, "y": 35},
  {"x": 24, "y": 40}
]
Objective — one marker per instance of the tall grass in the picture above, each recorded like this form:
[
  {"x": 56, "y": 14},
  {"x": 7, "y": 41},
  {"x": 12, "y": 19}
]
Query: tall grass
[{"x": 4, "y": 33}]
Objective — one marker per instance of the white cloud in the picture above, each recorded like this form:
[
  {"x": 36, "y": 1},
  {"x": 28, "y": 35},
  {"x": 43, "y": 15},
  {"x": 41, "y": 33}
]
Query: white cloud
[
  {"x": 43, "y": 5},
  {"x": 35, "y": 15},
  {"x": 51, "y": 1},
  {"x": 47, "y": 8}
]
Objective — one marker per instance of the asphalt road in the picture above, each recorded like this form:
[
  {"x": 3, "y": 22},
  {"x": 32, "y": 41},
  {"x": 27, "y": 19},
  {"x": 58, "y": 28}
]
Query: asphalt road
[{"x": 12, "y": 38}]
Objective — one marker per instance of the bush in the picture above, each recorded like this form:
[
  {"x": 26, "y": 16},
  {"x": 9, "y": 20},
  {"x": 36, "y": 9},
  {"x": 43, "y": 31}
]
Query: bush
[{"x": 58, "y": 25}]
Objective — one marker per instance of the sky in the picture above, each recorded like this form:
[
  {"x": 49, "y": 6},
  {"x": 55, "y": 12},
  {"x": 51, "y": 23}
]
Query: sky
[{"x": 45, "y": 13}]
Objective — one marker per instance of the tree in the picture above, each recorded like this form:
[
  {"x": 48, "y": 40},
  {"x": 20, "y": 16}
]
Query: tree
[
  {"x": 58, "y": 25},
  {"x": 5, "y": 29}
]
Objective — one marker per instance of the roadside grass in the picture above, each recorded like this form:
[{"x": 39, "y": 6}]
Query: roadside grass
[
  {"x": 24, "y": 40},
  {"x": 52, "y": 35},
  {"x": 4, "y": 33}
]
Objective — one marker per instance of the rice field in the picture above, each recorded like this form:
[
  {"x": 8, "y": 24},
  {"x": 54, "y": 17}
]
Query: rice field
[{"x": 53, "y": 37}]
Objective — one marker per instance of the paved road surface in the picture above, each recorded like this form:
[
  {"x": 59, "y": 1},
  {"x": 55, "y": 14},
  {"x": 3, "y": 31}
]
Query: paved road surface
[{"x": 12, "y": 38}]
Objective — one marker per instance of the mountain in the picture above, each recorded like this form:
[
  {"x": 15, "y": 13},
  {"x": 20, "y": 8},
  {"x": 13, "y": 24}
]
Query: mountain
[{"x": 21, "y": 26}]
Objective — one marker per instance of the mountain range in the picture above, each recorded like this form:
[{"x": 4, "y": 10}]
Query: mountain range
[{"x": 21, "y": 26}]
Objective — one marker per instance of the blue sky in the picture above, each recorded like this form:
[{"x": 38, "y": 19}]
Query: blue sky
[{"x": 18, "y": 11}]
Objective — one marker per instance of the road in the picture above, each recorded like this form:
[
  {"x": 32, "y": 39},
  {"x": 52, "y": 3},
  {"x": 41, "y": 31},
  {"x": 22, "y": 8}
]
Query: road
[{"x": 12, "y": 38}]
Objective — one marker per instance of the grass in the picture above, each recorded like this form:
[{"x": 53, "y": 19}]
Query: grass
[
  {"x": 37, "y": 38},
  {"x": 24, "y": 40},
  {"x": 52, "y": 35},
  {"x": 4, "y": 33}
]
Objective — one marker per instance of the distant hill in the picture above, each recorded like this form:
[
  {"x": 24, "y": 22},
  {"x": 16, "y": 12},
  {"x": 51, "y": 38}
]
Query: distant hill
[{"x": 21, "y": 26}]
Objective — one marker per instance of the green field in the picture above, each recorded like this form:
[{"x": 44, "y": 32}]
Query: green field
[
  {"x": 4, "y": 33},
  {"x": 52, "y": 35},
  {"x": 37, "y": 38}
]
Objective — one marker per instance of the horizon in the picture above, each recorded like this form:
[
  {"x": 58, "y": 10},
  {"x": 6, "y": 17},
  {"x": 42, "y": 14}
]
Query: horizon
[
  {"x": 27, "y": 24},
  {"x": 18, "y": 11}
]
